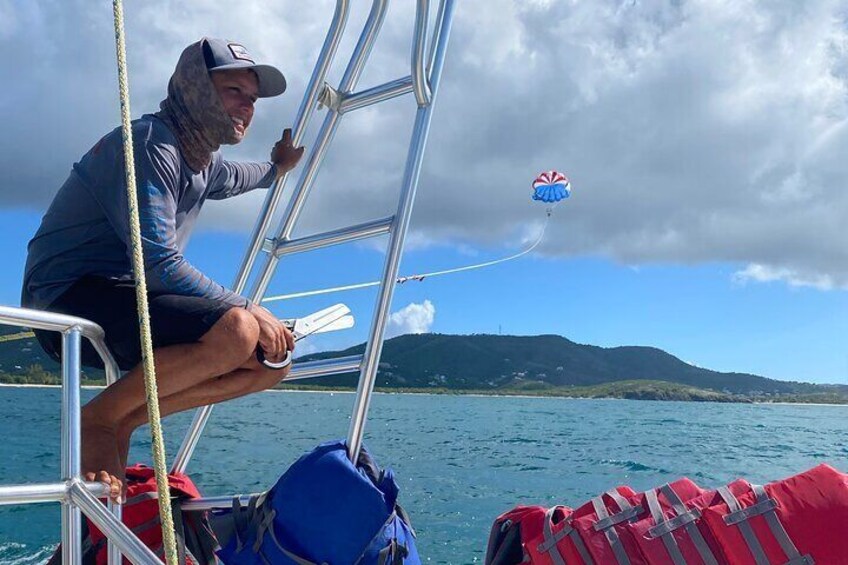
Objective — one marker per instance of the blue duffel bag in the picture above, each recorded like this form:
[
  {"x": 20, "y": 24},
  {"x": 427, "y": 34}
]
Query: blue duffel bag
[{"x": 323, "y": 510}]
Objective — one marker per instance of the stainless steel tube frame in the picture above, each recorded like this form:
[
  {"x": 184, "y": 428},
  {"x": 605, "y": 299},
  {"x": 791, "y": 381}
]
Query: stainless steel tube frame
[
  {"x": 304, "y": 114},
  {"x": 70, "y": 465},
  {"x": 325, "y": 135},
  {"x": 298, "y": 198},
  {"x": 354, "y": 101},
  {"x": 335, "y": 237},
  {"x": 44, "y": 492},
  {"x": 43, "y": 320},
  {"x": 325, "y": 367},
  {"x": 215, "y": 502},
  {"x": 390, "y": 271},
  {"x": 272, "y": 201},
  {"x": 29, "y": 494},
  {"x": 376, "y": 94},
  {"x": 117, "y": 532},
  {"x": 72, "y": 329},
  {"x": 420, "y": 85}
]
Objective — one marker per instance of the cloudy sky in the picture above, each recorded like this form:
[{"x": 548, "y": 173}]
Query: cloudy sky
[{"x": 705, "y": 141}]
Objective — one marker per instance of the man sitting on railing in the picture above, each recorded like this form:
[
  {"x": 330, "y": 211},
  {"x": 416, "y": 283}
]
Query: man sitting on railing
[{"x": 79, "y": 261}]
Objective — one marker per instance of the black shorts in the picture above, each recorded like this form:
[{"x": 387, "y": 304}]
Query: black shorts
[{"x": 111, "y": 304}]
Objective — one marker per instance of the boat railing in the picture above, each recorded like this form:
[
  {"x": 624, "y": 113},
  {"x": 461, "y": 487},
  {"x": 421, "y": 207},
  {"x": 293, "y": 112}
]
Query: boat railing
[{"x": 76, "y": 496}]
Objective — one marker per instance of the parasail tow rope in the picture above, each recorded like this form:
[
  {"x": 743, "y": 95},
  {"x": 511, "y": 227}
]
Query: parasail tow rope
[{"x": 420, "y": 277}]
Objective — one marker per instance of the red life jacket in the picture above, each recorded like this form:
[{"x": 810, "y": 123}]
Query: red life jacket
[
  {"x": 799, "y": 520},
  {"x": 675, "y": 533},
  {"x": 510, "y": 531},
  {"x": 601, "y": 524},
  {"x": 140, "y": 513},
  {"x": 559, "y": 542},
  {"x": 599, "y": 531}
]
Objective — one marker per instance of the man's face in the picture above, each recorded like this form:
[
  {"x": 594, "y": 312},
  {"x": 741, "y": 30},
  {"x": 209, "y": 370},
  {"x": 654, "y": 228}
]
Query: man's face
[{"x": 238, "y": 90}]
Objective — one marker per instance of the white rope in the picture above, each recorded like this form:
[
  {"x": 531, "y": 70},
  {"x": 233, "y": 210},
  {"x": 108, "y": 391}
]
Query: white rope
[
  {"x": 151, "y": 391},
  {"x": 422, "y": 276}
]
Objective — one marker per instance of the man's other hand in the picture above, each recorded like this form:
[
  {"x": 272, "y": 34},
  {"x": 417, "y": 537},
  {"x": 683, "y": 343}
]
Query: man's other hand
[
  {"x": 274, "y": 337},
  {"x": 284, "y": 155}
]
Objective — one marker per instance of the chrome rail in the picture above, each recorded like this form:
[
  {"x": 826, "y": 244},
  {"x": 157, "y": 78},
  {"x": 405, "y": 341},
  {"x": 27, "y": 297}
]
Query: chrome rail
[
  {"x": 272, "y": 201},
  {"x": 71, "y": 440},
  {"x": 325, "y": 136},
  {"x": 41, "y": 320},
  {"x": 301, "y": 190},
  {"x": 325, "y": 367},
  {"x": 376, "y": 94},
  {"x": 43, "y": 492},
  {"x": 215, "y": 502},
  {"x": 335, "y": 237},
  {"x": 75, "y": 496},
  {"x": 374, "y": 346},
  {"x": 304, "y": 115},
  {"x": 423, "y": 82},
  {"x": 420, "y": 84},
  {"x": 112, "y": 527}
]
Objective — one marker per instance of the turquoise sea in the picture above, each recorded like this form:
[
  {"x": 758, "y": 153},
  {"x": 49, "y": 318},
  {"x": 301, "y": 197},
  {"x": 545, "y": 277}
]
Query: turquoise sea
[{"x": 460, "y": 460}]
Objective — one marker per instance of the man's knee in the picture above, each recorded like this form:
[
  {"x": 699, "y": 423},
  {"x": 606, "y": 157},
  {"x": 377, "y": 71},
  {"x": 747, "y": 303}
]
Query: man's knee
[
  {"x": 265, "y": 378},
  {"x": 269, "y": 378},
  {"x": 238, "y": 331}
]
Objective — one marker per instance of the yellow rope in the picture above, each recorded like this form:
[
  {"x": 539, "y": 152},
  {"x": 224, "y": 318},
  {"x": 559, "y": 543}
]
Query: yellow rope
[
  {"x": 13, "y": 337},
  {"x": 141, "y": 297}
]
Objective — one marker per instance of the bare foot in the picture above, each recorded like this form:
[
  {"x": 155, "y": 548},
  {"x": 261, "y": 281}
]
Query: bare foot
[{"x": 100, "y": 459}]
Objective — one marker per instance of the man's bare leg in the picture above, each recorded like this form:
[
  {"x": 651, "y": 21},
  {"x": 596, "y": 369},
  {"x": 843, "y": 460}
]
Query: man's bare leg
[
  {"x": 224, "y": 348},
  {"x": 251, "y": 377}
]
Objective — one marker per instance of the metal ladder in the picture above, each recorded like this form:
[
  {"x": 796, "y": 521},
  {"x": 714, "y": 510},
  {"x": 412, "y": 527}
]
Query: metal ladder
[{"x": 423, "y": 82}]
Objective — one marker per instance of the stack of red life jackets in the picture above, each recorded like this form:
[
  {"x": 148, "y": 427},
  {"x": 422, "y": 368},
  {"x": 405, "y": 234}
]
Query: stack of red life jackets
[{"x": 801, "y": 520}]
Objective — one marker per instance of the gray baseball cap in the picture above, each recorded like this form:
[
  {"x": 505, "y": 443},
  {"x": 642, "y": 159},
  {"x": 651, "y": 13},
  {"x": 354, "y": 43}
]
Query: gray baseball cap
[{"x": 221, "y": 55}]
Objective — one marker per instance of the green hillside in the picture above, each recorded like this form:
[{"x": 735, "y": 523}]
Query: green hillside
[
  {"x": 492, "y": 362},
  {"x": 547, "y": 365}
]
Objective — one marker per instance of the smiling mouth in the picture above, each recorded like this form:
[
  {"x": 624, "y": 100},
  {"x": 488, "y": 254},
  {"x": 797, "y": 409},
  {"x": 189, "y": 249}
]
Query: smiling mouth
[{"x": 239, "y": 124}]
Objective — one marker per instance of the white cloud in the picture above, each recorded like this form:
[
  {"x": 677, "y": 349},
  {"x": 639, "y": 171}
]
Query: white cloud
[
  {"x": 305, "y": 347},
  {"x": 412, "y": 319},
  {"x": 764, "y": 274},
  {"x": 694, "y": 131}
]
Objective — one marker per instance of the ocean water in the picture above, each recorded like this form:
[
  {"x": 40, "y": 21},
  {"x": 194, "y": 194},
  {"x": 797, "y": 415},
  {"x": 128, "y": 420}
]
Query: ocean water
[{"x": 460, "y": 460}]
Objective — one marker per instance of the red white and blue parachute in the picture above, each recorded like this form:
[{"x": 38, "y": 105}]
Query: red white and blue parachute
[{"x": 551, "y": 186}]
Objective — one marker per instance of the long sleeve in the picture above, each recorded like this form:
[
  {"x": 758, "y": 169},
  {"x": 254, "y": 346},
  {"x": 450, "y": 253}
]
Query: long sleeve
[
  {"x": 234, "y": 178},
  {"x": 167, "y": 270}
]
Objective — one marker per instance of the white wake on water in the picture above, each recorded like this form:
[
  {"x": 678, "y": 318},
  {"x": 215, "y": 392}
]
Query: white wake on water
[{"x": 20, "y": 554}]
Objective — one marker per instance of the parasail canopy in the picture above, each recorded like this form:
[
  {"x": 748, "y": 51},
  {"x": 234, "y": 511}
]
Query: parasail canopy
[{"x": 551, "y": 186}]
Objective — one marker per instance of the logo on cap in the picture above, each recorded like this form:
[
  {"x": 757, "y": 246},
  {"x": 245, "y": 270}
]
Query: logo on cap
[{"x": 239, "y": 52}]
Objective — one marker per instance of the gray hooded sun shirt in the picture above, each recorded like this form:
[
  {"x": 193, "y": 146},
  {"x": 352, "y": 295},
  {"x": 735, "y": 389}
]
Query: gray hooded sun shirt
[{"x": 86, "y": 229}]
